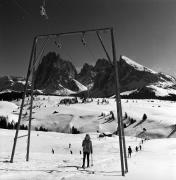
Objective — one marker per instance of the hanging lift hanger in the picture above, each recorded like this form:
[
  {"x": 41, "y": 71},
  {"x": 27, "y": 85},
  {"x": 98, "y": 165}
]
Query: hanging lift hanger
[{"x": 43, "y": 10}]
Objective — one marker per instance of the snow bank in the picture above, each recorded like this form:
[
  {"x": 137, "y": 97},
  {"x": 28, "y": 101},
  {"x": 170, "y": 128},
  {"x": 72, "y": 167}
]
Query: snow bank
[
  {"x": 156, "y": 161},
  {"x": 80, "y": 86},
  {"x": 162, "y": 92},
  {"x": 6, "y": 109},
  {"x": 86, "y": 116}
]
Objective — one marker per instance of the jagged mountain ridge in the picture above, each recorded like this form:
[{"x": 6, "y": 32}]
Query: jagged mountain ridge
[
  {"x": 12, "y": 83},
  {"x": 57, "y": 76},
  {"x": 144, "y": 82},
  {"x": 136, "y": 80}
]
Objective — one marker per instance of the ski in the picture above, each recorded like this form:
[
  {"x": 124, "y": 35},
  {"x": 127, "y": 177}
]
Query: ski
[{"x": 86, "y": 170}]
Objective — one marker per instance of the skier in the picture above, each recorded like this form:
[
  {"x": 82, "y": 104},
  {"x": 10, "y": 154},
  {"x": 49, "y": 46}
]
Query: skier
[
  {"x": 87, "y": 149},
  {"x": 52, "y": 150},
  {"x": 136, "y": 149},
  {"x": 140, "y": 147},
  {"x": 129, "y": 151},
  {"x": 112, "y": 115}
]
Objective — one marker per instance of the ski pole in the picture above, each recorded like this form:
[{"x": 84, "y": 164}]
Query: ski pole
[{"x": 91, "y": 160}]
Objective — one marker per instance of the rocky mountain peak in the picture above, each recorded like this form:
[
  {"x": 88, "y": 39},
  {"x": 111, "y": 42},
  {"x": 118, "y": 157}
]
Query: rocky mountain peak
[
  {"x": 101, "y": 64},
  {"x": 54, "y": 72},
  {"x": 55, "y": 75}
]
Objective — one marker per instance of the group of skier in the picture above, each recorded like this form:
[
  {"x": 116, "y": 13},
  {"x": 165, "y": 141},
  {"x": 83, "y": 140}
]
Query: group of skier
[
  {"x": 104, "y": 101},
  {"x": 137, "y": 148},
  {"x": 87, "y": 149}
]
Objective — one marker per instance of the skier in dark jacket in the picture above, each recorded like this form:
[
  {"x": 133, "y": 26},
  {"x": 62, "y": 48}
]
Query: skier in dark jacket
[
  {"x": 87, "y": 149},
  {"x": 136, "y": 149},
  {"x": 129, "y": 151}
]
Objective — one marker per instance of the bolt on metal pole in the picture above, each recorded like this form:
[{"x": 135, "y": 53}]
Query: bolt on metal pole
[
  {"x": 118, "y": 102},
  {"x": 103, "y": 46},
  {"x": 22, "y": 104},
  {"x": 31, "y": 103}
]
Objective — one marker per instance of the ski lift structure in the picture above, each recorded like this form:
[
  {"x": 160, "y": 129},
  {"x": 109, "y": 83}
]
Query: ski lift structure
[
  {"x": 31, "y": 73},
  {"x": 43, "y": 10},
  {"x": 85, "y": 45},
  {"x": 58, "y": 44},
  {"x": 83, "y": 39}
]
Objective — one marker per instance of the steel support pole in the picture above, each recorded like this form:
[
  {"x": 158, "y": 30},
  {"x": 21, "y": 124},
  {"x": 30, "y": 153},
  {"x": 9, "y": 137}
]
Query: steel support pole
[
  {"x": 118, "y": 102},
  {"x": 124, "y": 142},
  {"x": 22, "y": 103},
  {"x": 103, "y": 46},
  {"x": 41, "y": 52},
  {"x": 124, "y": 147},
  {"x": 31, "y": 103},
  {"x": 72, "y": 32}
]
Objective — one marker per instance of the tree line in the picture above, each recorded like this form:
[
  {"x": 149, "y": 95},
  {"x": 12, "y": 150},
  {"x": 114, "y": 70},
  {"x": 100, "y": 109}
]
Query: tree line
[{"x": 4, "y": 124}]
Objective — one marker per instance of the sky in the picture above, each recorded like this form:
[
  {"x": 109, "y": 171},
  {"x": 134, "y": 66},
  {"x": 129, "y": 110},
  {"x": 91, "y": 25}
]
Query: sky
[{"x": 145, "y": 31}]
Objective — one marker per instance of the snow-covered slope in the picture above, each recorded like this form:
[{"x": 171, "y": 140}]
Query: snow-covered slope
[
  {"x": 141, "y": 82},
  {"x": 12, "y": 83},
  {"x": 126, "y": 93},
  {"x": 160, "y": 91},
  {"x": 62, "y": 91},
  {"x": 7, "y": 110},
  {"x": 80, "y": 86},
  {"x": 156, "y": 160},
  {"x": 86, "y": 117},
  {"x": 136, "y": 65}
]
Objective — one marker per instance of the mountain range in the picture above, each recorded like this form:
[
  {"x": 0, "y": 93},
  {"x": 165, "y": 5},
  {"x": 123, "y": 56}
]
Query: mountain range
[{"x": 57, "y": 76}]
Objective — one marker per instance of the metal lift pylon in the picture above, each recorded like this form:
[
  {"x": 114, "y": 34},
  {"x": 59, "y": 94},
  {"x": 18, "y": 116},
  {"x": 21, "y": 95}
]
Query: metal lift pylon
[{"x": 31, "y": 70}]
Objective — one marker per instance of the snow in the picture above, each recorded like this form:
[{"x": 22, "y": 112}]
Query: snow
[
  {"x": 90, "y": 85},
  {"x": 126, "y": 93},
  {"x": 169, "y": 77},
  {"x": 164, "y": 84},
  {"x": 159, "y": 91},
  {"x": 22, "y": 82},
  {"x": 38, "y": 91},
  {"x": 66, "y": 91},
  {"x": 156, "y": 161},
  {"x": 6, "y": 110},
  {"x": 63, "y": 91},
  {"x": 80, "y": 86},
  {"x": 136, "y": 65},
  {"x": 86, "y": 117},
  {"x": 5, "y": 91}
]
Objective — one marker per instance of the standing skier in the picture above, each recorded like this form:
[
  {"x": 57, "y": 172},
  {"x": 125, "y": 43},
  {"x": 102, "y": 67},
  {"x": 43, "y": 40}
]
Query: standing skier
[
  {"x": 136, "y": 149},
  {"x": 129, "y": 151},
  {"x": 52, "y": 150},
  {"x": 87, "y": 149}
]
